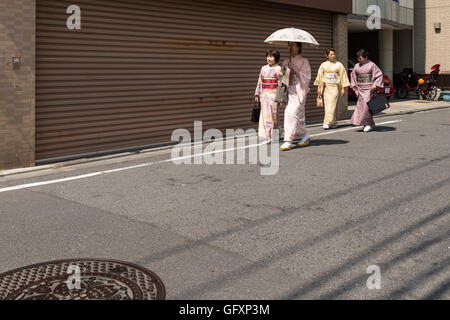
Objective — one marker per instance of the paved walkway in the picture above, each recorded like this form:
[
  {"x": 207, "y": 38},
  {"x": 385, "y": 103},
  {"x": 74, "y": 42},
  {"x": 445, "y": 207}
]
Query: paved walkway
[
  {"x": 400, "y": 106},
  {"x": 348, "y": 204}
]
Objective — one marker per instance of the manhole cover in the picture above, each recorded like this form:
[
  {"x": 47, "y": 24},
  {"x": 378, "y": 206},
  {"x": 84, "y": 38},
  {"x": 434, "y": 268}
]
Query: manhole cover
[{"x": 81, "y": 279}]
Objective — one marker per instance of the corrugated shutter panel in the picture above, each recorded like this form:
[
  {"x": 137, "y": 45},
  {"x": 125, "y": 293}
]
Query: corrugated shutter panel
[{"x": 137, "y": 70}]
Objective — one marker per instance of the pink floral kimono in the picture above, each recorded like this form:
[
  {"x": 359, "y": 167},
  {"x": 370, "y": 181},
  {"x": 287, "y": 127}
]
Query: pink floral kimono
[
  {"x": 299, "y": 75},
  {"x": 266, "y": 90}
]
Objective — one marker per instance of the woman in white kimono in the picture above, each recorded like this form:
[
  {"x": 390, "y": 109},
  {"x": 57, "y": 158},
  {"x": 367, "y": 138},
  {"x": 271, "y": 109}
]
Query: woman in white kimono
[
  {"x": 299, "y": 75},
  {"x": 331, "y": 80}
]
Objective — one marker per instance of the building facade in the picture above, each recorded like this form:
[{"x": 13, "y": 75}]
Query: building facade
[
  {"x": 391, "y": 42},
  {"x": 432, "y": 36},
  {"x": 88, "y": 76}
]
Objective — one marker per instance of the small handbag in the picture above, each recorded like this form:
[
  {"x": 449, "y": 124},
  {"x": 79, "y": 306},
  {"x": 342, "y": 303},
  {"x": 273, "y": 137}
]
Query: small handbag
[
  {"x": 282, "y": 95},
  {"x": 256, "y": 111},
  {"x": 319, "y": 101},
  {"x": 378, "y": 102}
]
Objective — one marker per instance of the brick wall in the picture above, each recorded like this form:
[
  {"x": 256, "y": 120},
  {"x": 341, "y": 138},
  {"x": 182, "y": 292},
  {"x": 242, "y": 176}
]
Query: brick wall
[
  {"x": 17, "y": 85},
  {"x": 431, "y": 47},
  {"x": 340, "y": 43},
  {"x": 438, "y": 44}
]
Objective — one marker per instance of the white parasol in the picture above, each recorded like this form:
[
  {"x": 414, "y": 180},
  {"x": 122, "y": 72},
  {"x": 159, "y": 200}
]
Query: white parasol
[{"x": 282, "y": 36}]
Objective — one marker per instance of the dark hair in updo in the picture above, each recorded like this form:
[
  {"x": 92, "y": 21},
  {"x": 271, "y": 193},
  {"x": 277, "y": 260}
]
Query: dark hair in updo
[{"x": 362, "y": 53}]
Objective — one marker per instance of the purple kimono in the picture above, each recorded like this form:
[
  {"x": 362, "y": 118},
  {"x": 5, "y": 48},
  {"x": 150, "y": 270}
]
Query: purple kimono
[{"x": 363, "y": 77}]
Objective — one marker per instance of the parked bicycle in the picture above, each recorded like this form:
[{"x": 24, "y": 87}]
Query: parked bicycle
[{"x": 408, "y": 82}]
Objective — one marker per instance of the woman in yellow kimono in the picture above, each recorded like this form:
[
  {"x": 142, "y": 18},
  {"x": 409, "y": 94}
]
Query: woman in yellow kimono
[{"x": 331, "y": 80}]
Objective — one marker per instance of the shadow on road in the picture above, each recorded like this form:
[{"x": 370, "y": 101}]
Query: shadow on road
[
  {"x": 384, "y": 129},
  {"x": 325, "y": 277},
  {"x": 326, "y": 142},
  {"x": 380, "y": 129}
]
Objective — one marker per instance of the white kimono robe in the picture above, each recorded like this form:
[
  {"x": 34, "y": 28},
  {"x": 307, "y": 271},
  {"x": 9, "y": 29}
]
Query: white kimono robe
[{"x": 299, "y": 75}]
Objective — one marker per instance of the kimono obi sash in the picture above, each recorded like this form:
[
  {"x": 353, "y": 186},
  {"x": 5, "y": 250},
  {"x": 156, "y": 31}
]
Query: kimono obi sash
[
  {"x": 270, "y": 83},
  {"x": 365, "y": 78},
  {"x": 331, "y": 77}
]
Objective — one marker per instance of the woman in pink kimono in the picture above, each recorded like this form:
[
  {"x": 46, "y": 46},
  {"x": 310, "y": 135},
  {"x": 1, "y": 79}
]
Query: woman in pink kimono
[
  {"x": 299, "y": 75},
  {"x": 365, "y": 78},
  {"x": 265, "y": 92}
]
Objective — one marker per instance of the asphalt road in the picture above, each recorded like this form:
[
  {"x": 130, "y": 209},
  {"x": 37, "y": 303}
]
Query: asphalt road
[{"x": 348, "y": 201}]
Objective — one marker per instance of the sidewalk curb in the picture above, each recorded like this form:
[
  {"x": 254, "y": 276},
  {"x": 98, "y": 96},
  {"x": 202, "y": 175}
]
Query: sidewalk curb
[
  {"x": 11, "y": 172},
  {"x": 5, "y": 173},
  {"x": 412, "y": 111}
]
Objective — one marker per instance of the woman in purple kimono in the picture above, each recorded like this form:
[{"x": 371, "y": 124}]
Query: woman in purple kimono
[{"x": 365, "y": 78}]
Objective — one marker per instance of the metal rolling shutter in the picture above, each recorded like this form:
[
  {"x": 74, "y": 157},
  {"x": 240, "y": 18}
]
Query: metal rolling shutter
[{"x": 139, "y": 69}]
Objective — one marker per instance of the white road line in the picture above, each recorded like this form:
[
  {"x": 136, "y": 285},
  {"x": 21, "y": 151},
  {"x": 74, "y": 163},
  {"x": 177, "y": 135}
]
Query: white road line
[
  {"x": 84, "y": 176},
  {"x": 352, "y": 128},
  {"x": 36, "y": 184}
]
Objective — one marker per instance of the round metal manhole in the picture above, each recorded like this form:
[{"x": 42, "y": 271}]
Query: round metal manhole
[{"x": 81, "y": 279}]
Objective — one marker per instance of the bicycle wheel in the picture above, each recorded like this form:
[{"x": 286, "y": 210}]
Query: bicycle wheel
[{"x": 432, "y": 94}]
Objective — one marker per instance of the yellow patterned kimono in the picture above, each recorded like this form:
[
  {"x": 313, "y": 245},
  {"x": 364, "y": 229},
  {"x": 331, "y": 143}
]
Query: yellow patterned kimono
[{"x": 332, "y": 76}]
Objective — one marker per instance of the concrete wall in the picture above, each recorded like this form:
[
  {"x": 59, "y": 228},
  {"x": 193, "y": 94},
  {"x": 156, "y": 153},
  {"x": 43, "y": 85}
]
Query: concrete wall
[
  {"x": 403, "y": 50},
  {"x": 400, "y": 12},
  {"x": 419, "y": 36},
  {"x": 17, "y": 85},
  {"x": 386, "y": 52},
  {"x": 340, "y": 43}
]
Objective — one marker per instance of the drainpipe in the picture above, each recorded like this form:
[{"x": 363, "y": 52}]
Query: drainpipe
[{"x": 413, "y": 49}]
